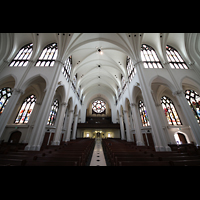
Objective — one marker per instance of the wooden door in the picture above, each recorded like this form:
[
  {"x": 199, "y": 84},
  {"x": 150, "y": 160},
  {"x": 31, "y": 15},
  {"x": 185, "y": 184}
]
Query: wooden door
[
  {"x": 61, "y": 139},
  {"x": 15, "y": 137},
  {"x": 51, "y": 139},
  {"x": 182, "y": 138},
  {"x": 45, "y": 140},
  {"x": 150, "y": 139},
  {"x": 145, "y": 140}
]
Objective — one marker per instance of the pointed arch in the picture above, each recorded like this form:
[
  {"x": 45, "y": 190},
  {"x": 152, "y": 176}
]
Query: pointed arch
[
  {"x": 175, "y": 59},
  {"x": 170, "y": 111},
  {"x": 149, "y": 57},
  {"x": 23, "y": 56},
  {"x": 26, "y": 110},
  {"x": 48, "y": 56}
]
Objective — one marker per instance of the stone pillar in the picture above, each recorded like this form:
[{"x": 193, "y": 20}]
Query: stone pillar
[
  {"x": 68, "y": 131},
  {"x": 138, "y": 133},
  {"x": 121, "y": 127},
  {"x": 38, "y": 132},
  {"x": 157, "y": 130},
  {"x": 126, "y": 118},
  {"x": 56, "y": 140},
  {"x": 189, "y": 115},
  {"x": 5, "y": 116},
  {"x": 75, "y": 127}
]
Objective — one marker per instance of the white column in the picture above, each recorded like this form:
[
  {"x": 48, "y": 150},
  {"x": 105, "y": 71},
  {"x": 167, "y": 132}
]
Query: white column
[
  {"x": 157, "y": 130},
  {"x": 121, "y": 126},
  {"x": 189, "y": 115},
  {"x": 38, "y": 132},
  {"x": 75, "y": 127},
  {"x": 129, "y": 138},
  {"x": 138, "y": 133},
  {"x": 5, "y": 116},
  {"x": 68, "y": 131},
  {"x": 56, "y": 140}
]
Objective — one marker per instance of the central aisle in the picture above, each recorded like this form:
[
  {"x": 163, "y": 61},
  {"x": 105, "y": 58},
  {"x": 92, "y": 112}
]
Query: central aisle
[{"x": 98, "y": 158}]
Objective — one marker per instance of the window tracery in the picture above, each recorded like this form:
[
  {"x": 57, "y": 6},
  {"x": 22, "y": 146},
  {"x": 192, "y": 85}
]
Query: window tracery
[
  {"x": 149, "y": 57},
  {"x": 53, "y": 113},
  {"x": 193, "y": 99},
  {"x": 143, "y": 114},
  {"x": 98, "y": 107},
  {"x": 66, "y": 70},
  {"x": 130, "y": 68},
  {"x": 23, "y": 56},
  {"x": 26, "y": 110},
  {"x": 48, "y": 56},
  {"x": 170, "y": 111},
  {"x": 5, "y": 94},
  {"x": 174, "y": 58}
]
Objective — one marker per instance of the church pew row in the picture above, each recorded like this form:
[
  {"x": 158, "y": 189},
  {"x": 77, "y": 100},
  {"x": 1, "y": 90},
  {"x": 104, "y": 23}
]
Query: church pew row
[
  {"x": 120, "y": 154},
  {"x": 75, "y": 153}
]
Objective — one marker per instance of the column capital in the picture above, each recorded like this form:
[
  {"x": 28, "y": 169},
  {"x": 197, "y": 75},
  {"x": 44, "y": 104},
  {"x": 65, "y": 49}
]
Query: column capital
[
  {"x": 64, "y": 103},
  {"x": 133, "y": 104},
  {"x": 17, "y": 90},
  {"x": 178, "y": 92}
]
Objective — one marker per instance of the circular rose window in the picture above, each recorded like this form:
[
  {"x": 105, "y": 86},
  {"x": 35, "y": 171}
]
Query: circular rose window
[{"x": 98, "y": 106}]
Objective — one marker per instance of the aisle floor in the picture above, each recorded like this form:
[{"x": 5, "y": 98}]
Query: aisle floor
[{"x": 98, "y": 158}]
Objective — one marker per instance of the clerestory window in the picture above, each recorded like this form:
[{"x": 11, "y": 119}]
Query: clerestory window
[
  {"x": 48, "y": 56},
  {"x": 174, "y": 58},
  {"x": 149, "y": 57},
  {"x": 23, "y": 56}
]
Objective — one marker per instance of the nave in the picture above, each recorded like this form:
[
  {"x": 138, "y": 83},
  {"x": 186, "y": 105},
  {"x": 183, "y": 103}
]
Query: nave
[
  {"x": 98, "y": 158},
  {"x": 90, "y": 152}
]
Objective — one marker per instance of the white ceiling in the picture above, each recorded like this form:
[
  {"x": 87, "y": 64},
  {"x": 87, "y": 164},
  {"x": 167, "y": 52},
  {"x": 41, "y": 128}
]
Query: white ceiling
[{"x": 83, "y": 48}]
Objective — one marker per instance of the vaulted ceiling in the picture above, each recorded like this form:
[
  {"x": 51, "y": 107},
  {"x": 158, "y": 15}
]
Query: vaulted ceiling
[{"x": 98, "y": 74}]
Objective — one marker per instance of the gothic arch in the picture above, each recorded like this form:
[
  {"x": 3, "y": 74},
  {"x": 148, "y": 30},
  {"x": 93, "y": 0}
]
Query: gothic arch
[
  {"x": 8, "y": 81},
  {"x": 190, "y": 83}
]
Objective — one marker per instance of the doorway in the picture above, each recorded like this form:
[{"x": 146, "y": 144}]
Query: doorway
[
  {"x": 15, "y": 137},
  {"x": 180, "y": 138}
]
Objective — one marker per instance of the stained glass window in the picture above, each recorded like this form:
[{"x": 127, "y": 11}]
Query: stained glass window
[
  {"x": 23, "y": 56},
  {"x": 26, "y": 110},
  {"x": 123, "y": 82},
  {"x": 143, "y": 114},
  {"x": 74, "y": 83},
  {"x": 149, "y": 57},
  {"x": 5, "y": 94},
  {"x": 53, "y": 113},
  {"x": 48, "y": 56},
  {"x": 99, "y": 107},
  {"x": 66, "y": 70},
  {"x": 130, "y": 69},
  {"x": 174, "y": 58},
  {"x": 193, "y": 99},
  {"x": 170, "y": 111}
]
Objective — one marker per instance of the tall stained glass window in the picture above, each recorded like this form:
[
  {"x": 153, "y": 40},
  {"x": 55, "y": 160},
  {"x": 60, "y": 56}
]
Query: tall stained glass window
[
  {"x": 53, "y": 113},
  {"x": 48, "y": 56},
  {"x": 193, "y": 99},
  {"x": 170, "y": 111},
  {"x": 149, "y": 57},
  {"x": 5, "y": 94},
  {"x": 98, "y": 107},
  {"x": 123, "y": 82},
  {"x": 23, "y": 56},
  {"x": 174, "y": 58},
  {"x": 74, "y": 82},
  {"x": 26, "y": 110},
  {"x": 143, "y": 114},
  {"x": 66, "y": 70},
  {"x": 130, "y": 68}
]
